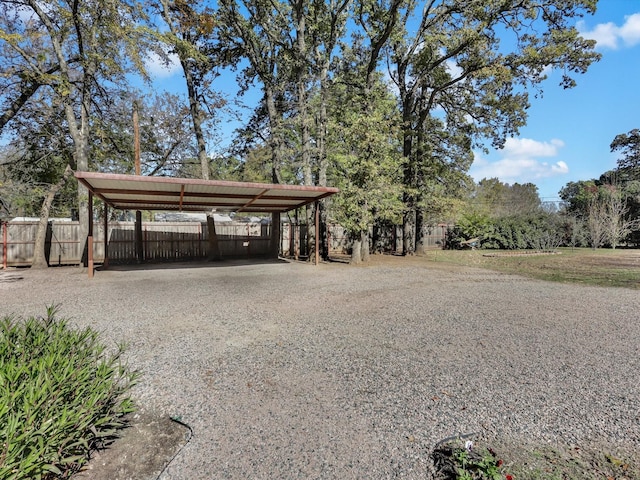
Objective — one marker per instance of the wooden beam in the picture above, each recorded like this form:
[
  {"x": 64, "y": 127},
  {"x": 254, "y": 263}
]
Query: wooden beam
[
  {"x": 253, "y": 200},
  {"x": 169, "y": 193}
]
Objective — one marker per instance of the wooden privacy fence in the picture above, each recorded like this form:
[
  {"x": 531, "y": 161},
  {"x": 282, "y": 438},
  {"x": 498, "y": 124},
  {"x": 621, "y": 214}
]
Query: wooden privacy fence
[
  {"x": 174, "y": 241},
  {"x": 162, "y": 241}
]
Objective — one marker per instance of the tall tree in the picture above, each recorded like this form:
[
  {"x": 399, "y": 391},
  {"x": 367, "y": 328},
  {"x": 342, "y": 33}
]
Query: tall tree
[
  {"x": 365, "y": 153},
  {"x": 75, "y": 50},
  {"x": 191, "y": 37},
  {"x": 167, "y": 142},
  {"x": 617, "y": 224},
  {"x": 472, "y": 63},
  {"x": 628, "y": 144},
  {"x": 40, "y": 158},
  {"x": 260, "y": 33},
  {"x": 498, "y": 199}
]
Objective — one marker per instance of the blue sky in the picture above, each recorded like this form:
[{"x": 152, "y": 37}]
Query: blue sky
[{"x": 568, "y": 134}]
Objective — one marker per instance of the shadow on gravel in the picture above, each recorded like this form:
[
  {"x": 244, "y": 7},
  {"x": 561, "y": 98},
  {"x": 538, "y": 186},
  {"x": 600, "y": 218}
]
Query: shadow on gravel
[
  {"x": 168, "y": 265},
  {"x": 141, "y": 453}
]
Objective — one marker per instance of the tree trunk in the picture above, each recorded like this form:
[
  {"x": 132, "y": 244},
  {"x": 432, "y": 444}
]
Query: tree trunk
[
  {"x": 356, "y": 252},
  {"x": 365, "y": 246},
  {"x": 421, "y": 248},
  {"x": 323, "y": 162},
  {"x": 39, "y": 256},
  {"x": 324, "y": 240},
  {"x": 275, "y": 235},
  {"x": 408, "y": 224},
  {"x": 214, "y": 246},
  {"x": 80, "y": 137},
  {"x": 197, "y": 119},
  {"x": 274, "y": 138}
]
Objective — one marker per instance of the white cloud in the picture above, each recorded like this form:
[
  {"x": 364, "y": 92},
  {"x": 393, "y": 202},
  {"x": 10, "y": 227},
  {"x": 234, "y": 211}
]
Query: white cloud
[
  {"x": 630, "y": 31},
  {"x": 526, "y": 148},
  {"x": 158, "y": 68},
  {"x": 521, "y": 162},
  {"x": 609, "y": 35}
]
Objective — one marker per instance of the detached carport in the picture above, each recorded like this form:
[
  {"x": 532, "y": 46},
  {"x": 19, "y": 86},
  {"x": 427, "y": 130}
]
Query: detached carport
[{"x": 134, "y": 192}]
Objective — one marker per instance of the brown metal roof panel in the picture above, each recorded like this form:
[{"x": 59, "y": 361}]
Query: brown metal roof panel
[
  {"x": 222, "y": 190},
  {"x": 158, "y": 193}
]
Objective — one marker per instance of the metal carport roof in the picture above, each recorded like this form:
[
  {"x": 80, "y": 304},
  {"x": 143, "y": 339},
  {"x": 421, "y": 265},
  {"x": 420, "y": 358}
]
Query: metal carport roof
[{"x": 134, "y": 192}]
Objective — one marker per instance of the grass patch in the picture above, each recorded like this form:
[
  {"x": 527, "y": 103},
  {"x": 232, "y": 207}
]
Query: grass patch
[
  {"x": 61, "y": 395},
  {"x": 603, "y": 267},
  {"x": 505, "y": 460}
]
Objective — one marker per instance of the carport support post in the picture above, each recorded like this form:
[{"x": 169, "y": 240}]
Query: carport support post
[
  {"x": 317, "y": 205},
  {"x": 90, "y": 236},
  {"x": 214, "y": 247},
  {"x": 296, "y": 238},
  {"x": 4, "y": 245},
  {"x": 275, "y": 234},
  {"x": 138, "y": 237},
  {"x": 105, "y": 263}
]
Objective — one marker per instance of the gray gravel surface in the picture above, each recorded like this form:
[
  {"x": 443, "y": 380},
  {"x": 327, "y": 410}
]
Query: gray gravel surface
[{"x": 286, "y": 370}]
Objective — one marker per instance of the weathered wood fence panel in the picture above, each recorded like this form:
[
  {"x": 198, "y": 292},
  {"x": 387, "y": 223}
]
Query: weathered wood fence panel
[
  {"x": 20, "y": 237},
  {"x": 63, "y": 246},
  {"x": 162, "y": 241},
  {"x": 173, "y": 241}
]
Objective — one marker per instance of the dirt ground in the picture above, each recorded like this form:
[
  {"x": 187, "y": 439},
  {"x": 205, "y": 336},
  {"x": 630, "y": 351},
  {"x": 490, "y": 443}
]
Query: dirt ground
[{"x": 142, "y": 452}]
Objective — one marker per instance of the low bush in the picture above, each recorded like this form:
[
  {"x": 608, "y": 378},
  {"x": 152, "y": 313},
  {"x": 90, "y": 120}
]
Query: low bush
[
  {"x": 537, "y": 231},
  {"x": 61, "y": 395}
]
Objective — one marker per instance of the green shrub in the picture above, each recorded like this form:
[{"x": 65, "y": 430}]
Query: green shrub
[
  {"x": 537, "y": 231},
  {"x": 61, "y": 394}
]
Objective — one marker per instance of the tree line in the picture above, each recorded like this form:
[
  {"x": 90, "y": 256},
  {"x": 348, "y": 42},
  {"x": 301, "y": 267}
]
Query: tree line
[
  {"x": 593, "y": 213},
  {"x": 385, "y": 99}
]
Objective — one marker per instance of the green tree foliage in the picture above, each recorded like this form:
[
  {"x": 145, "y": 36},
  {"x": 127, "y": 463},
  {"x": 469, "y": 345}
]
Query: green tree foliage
[
  {"x": 463, "y": 71},
  {"x": 259, "y": 32},
  {"x": 74, "y": 52},
  {"x": 190, "y": 35},
  {"x": 606, "y": 207},
  {"x": 37, "y": 157},
  {"x": 530, "y": 231},
  {"x": 366, "y": 159},
  {"x": 473, "y": 63},
  {"x": 167, "y": 144},
  {"x": 498, "y": 199},
  {"x": 510, "y": 217},
  {"x": 628, "y": 144}
]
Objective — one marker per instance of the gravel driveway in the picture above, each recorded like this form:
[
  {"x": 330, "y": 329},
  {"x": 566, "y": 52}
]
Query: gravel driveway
[{"x": 286, "y": 370}]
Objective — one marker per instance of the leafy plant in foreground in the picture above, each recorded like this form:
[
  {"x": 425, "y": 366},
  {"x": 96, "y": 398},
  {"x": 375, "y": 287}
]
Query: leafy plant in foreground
[
  {"x": 457, "y": 461},
  {"x": 61, "y": 394}
]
